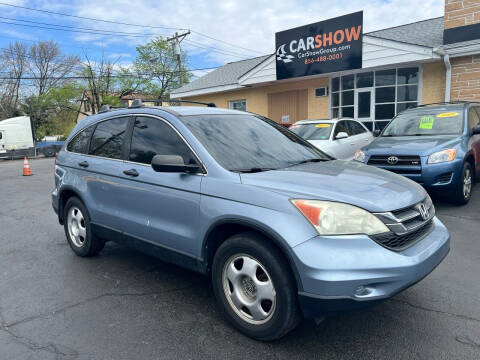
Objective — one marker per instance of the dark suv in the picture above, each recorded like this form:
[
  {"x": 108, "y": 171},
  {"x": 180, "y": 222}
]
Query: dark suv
[{"x": 435, "y": 145}]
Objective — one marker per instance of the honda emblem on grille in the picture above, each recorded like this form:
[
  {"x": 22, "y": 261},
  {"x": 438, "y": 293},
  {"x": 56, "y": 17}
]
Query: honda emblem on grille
[
  {"x": 392, "y": 160},
  {"x": 422, "y": 209}
]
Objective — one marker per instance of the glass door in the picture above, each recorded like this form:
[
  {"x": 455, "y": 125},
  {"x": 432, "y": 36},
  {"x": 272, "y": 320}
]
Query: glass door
[{"x": 364, "y": 105}]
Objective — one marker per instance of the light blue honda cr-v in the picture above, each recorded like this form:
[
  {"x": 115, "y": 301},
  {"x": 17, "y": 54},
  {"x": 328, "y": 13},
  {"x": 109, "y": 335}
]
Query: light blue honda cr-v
[{"x": 282, "y": 229}]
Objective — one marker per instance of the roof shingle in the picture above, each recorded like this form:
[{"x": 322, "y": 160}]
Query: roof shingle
[
  {"x": 225, "y": 75},
  {"x": 426, "y": 33}
]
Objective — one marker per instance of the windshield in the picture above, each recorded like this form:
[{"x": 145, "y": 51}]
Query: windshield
[
  {"x": 424, "y": 121},
  {"x": 246, "y": 142},
  {"x": 319, "y": 131}
]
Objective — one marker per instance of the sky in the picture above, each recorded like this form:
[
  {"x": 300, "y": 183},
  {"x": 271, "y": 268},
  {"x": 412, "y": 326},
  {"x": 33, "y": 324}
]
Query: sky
[{"x": 221, "y": 31}]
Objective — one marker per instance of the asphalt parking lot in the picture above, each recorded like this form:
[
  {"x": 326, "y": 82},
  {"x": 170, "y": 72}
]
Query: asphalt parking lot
[{"x": 126, "y": 305}]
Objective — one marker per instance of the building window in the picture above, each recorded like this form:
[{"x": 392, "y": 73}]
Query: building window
[
  {"x": 392, "y": 90},
  {"x": 321, "y": 91},
  {"x": 238, "y": 105}
]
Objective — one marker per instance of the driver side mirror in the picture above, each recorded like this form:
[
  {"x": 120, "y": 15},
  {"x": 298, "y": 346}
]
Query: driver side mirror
[
  {"x": 172, "y": 164},
  {"x": 376, "y": 132},
  {"x": 341, "y": 135},
  {"x": 476, "y": 130}
]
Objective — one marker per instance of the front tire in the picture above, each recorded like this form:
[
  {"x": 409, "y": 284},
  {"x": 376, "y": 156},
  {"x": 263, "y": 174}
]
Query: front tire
[
  {"x": 254, "y": 287},
  {"x": 78, "y": 229},
  {"x": 49, "y": 152},
  {"x": 463, "y": 192}
]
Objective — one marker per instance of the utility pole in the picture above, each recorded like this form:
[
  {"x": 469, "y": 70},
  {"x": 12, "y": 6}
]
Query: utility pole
[{"x": 177, "y": 39}]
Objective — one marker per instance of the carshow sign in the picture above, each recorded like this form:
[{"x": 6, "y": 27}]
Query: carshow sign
[{"x": 327, "y": 46}]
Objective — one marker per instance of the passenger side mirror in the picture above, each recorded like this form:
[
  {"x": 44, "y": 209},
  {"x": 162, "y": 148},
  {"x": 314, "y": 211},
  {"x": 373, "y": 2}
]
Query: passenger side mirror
[
  {"x": 341, "y": 135},
  {"x": 172, "y": 164},
  {"x": 476, "y": 130},
  {"x": 376, "y": 132}
]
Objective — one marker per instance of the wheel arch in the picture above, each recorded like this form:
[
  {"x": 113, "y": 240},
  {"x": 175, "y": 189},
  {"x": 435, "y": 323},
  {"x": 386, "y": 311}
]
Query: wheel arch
[
  {"x": 65, "y": 194},
  {"x": 225, "y": 228},
  {"x": 470, "y": 158}
]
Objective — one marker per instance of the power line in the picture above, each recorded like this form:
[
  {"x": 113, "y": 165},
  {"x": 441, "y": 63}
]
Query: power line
[
  {"x": 73, "y": 77},
  {"x": 194, "y": 44},
  {"x": 113, "y": 33},
  {"x": 225, "y": 52},
  {"x": 94, "y": 32},
  {"x": 130, "y": 24},
  {"x": 225, "y": 42},
  {"x": 90, "y": 18},
  {"x": 79, "y": 28}
]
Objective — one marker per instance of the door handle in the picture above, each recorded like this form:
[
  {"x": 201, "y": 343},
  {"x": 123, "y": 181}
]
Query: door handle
[
  {"x": 131, "y": 172},
  {"x": 83, "y": 164}
]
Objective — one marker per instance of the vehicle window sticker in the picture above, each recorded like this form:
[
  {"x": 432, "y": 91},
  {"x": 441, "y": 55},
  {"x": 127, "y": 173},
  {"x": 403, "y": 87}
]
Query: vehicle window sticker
[
  {"x": 426, "y": 122},
  {"x": 447, "y": 114},
  {"x": 322, "y": 125}
]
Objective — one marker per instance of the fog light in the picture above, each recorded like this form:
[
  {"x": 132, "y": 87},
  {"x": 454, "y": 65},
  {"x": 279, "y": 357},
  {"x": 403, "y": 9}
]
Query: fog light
[{"x": 362, "y": 291}]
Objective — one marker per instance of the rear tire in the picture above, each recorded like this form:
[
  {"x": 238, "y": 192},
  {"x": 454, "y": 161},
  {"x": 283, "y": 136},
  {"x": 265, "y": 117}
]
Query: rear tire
[
  {"x": 254, "y": 287},
  {"x": 78, "y": 229},
  {"x": 463, "y": 191}
]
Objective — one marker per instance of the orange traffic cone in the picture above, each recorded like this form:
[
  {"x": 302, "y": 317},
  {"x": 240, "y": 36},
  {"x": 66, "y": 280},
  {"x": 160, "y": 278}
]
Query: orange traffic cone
[{"x": 26, "y": 168}]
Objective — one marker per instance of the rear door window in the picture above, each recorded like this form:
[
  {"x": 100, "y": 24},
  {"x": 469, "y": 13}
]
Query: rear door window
[
  {"x": 109, "y": 137},
  {"x": 152, "y": 136},
  {"x": 79, "y": 144},
  {"x": 356, "y": 128}
]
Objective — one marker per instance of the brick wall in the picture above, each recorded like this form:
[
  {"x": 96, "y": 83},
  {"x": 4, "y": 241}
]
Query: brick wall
[
  {"x": 465, "y": 78},
  {"x": 461, "y": 13}
]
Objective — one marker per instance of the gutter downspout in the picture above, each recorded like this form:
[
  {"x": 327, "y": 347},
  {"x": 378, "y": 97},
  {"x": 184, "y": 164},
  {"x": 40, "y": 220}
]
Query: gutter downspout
[{"x": 448, "y": 73}]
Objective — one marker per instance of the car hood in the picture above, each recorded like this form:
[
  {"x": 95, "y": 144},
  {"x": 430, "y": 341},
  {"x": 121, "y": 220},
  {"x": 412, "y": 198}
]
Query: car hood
[
  {"x": 350, "y": 182},
  {"x": 411, "y": 145}
]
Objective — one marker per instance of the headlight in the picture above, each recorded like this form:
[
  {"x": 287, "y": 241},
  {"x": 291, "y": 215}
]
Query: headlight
[
  {"x": 334, "y": 218},
  {"x": 359, "y": 156},
  {"x": 442, "y": 156}
]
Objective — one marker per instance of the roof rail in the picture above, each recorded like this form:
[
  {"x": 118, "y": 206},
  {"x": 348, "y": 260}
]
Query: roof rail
[
  {"x": 104, "y": 108},
  {"x": 137, "y": 103},
  {"x": 161, "y": 101}
]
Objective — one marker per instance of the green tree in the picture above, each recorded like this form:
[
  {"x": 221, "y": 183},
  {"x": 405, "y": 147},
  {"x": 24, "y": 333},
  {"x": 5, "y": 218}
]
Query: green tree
[
  {"x": 157, "y": 60},
  {"x": 54, "y": 112}
]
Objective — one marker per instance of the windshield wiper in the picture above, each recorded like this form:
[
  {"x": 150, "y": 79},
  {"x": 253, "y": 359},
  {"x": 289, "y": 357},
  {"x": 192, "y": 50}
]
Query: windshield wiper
[
  {"x": 397, "y": 135},
  {"x": 314, "y": 160},
  {"x": 252, "y": 170}
]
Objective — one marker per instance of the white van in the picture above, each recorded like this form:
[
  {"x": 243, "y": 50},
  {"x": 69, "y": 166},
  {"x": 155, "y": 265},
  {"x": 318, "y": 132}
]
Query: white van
[{"x": 16, "y": 139}]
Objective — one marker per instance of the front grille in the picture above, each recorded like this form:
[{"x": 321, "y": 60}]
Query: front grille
[
  {"x": 405, "y": 165},
  {"x": 401, "y": 242},
  {"x": 406, "y": 225},
  {"x": 403, "y": 160}
]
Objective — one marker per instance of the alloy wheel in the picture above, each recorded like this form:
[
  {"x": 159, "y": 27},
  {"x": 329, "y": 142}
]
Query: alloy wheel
[{"x": 467, "y": 183}]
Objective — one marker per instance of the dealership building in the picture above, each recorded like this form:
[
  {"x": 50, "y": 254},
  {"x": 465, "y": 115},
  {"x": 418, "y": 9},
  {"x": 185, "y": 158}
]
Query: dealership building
[{"x": 332, "y": 69}]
